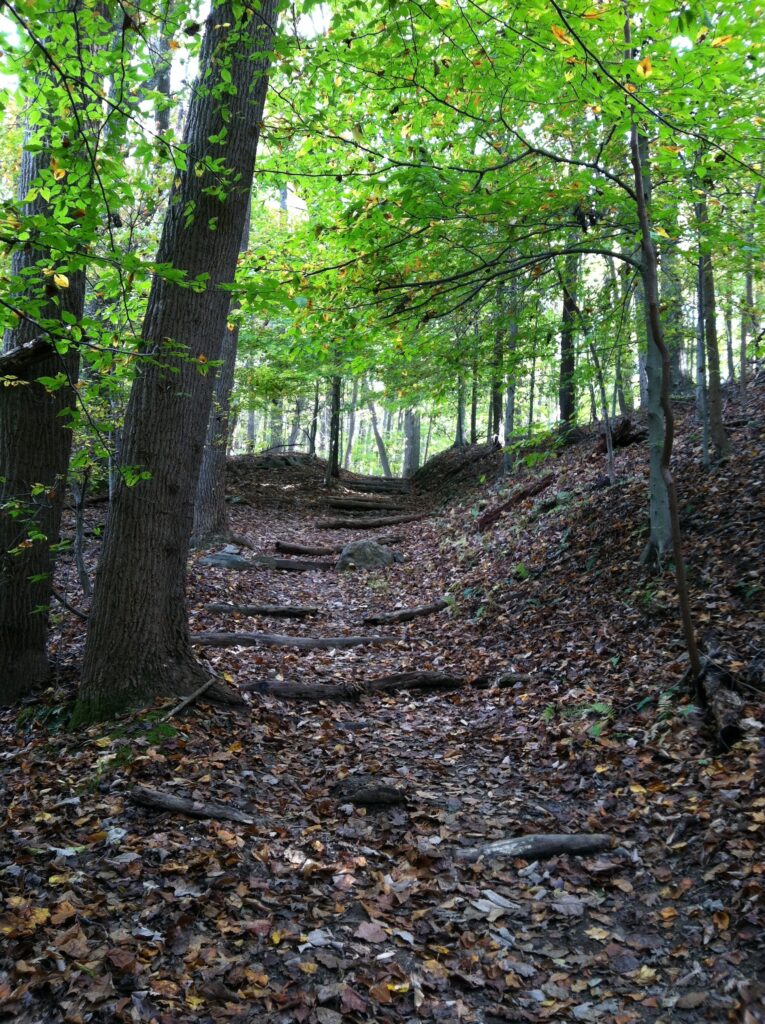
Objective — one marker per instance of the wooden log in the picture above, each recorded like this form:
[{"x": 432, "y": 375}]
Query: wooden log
[
  {"x": 307, "y": 643},
  {"x": 278, "y": 611},
  {"x": 306, "y": 549},
  {"x": 288, "y": 548},
  {"x": 368, "y": 524},
  {"x": 365, "y": 504},
  {"x": 356, "y": 689},
  {"x": 160, "y": 801},
  {"x": 539, "y": 846},
  {"x": 378, "y": 485},
  {"x": 405, "y": 614},
  {"x": 366, "y": 791},
  {"x": 238, "y": 564},
  {"x": 520, "y": 494}
]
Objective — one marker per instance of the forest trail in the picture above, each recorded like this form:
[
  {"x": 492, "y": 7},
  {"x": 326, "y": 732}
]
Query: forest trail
[{"x": 349, "y": 884}]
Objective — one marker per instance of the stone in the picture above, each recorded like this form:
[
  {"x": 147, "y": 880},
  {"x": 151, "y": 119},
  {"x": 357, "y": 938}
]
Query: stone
[{"x": 366, "y": 554}]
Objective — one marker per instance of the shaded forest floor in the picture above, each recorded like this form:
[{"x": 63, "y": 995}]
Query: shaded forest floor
[{"x": 323, "y": 911}]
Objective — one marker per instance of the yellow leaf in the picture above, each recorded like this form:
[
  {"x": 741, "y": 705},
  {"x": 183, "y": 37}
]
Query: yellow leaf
[
  {"x": 62, "y": 281},
  {"x": 597, "y": 933},
  {"x": 195, "y": 1002},
  {"x": 721, "y": 41},
  {"x": 561, "y": 36},
  {"x": 398, "y": 986},
  {"x": 307, "y": 967},
  {"x": 637, "y": 788},
  {"x": 276, "y": 937},
  {"x": 406, "y": 130},
  {"x": 645, "y": 975},
  {"x": 59, "y": 173},
  {"x": 173, "y": 45},
  {"x": 668, "y": 913},
  {"x": 645, "y": 67},
  {"x": 104, "y": 741},
  {"x": 592, "y": 15},
  {"x": 600, "y": 768},
  {"x": 722, "y": 920},
  {"x": 664, "y": 234},
  {"x": 630, "y": 87}
]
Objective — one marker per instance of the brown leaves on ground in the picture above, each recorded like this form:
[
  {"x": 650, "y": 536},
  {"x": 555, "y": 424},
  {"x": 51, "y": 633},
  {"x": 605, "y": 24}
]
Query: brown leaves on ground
[{"x": 327, "y": 912}]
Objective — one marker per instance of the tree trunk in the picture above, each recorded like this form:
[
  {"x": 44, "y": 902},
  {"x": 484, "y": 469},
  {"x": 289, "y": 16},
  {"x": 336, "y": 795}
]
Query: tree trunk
[
  {"x": 728, "y": 313},
  {"x": 431, "y": 420},
  {"x": 702, "y": 413},
  {"x": 251, "y": 430},
  {"x": 639, "y": 154},
  {"x": 459, "y": 436},
  {"x": 314, "y": 422},
  {"x": 381, "y": 451},
  {"x": 412, "y": 443},
  {"x": 512, "y": 344},
  {"x": 660, "y": 537},
  {"x": 474, "y": 404},
  {"x": 748, "y": 315},
  {"x": 294, "y": 437},
  {"x": 275, "y": 424},
  {"x": 333, "y": 455},
  {"x": 566, "y": 391},
  {"x": 138, "y": 639},
  {"x": 35, "y": 442},
  {"x": 714, "y": 394},
  {"x": 210, "y": 511},
  {"x": 672, "y": 301},
  {"x": 351, "y": 426}
]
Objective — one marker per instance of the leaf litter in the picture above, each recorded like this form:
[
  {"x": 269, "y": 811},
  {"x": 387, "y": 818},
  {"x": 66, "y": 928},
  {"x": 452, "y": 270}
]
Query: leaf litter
[{"x": 325, "y": 911}]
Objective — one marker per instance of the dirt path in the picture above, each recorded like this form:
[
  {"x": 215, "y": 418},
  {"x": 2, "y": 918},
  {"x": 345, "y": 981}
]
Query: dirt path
[{"x": 324, "y": 910}]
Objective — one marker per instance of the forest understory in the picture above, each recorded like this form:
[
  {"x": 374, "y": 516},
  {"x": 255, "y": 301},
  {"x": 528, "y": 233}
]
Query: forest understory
[{"x": 346, "y": 889}]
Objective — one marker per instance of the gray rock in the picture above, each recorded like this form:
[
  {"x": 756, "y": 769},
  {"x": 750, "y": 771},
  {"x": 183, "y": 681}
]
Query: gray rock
[{"x": 366, "y": 554}]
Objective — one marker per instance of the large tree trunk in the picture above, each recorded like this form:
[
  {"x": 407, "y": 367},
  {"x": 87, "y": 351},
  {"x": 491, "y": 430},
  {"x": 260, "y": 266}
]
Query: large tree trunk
[
  {"x": 660, "y": 537},
  {"x": 138, "y": 641},
  {"x": 567, "y": 392},
  {"x": 35, "y": 441},
  {"x": 702, "y": 413},
  {"x": 512, "y": 344},
  {"x": 474, "y": 404},
  {"x": 314, "y": 422},
  {"x": 210, "y": 512},
  {"x": 412, "y": 443},
  {"x": 748, "y": 314},
  {"x": 714, "y": 396}
]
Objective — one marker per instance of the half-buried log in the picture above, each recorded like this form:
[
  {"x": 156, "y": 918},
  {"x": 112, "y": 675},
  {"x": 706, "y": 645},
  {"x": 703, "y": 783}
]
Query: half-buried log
[
  {"x": 279, "y": 611},
  {"x": 537, "y": 847},
  {"x": 368, "y": 524},
  {"x": 237, "y": 563},
  {"x": 356, "y": 689},
  {"x": 288, "y": 548},
  {"x": 724, "y": 707},
  {"x": 404, "y": 614},
  {"x": 378, "y": 485},
  {"x": 194, "y": 808},
  {"x": 365, "y": 504},
  {"x": 307, "y": 643}
]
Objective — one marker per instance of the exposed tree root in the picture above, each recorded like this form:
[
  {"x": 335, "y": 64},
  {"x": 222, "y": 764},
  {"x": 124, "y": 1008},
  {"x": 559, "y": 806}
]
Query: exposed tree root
[{"x": 405, "y": 614}]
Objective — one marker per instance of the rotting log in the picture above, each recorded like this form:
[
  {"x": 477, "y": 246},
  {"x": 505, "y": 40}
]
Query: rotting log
[
  {"x": 160, "y": 801},
  {"x": 356, "y": 689},
  {"x": 280, "y": 611},
  {"x": 405, "y": 614},
  {"x": 307, "y": 643},
  {"x": 520, "y": 494},
  {"x": 369, "y": 524},
  {"x": 539, "y": 846},
  {"x": 238, "y": 564}
]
